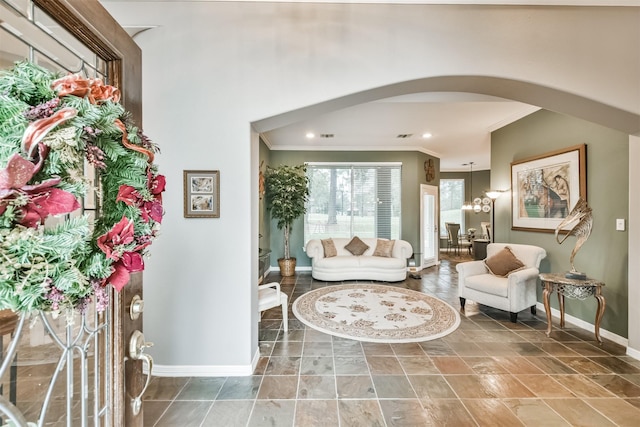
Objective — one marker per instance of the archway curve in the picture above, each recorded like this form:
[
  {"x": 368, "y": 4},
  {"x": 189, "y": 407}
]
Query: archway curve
[{"x": 552, "y": 99}]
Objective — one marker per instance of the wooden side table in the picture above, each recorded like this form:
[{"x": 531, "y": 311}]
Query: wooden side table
[{"x": 575, "y": 289}]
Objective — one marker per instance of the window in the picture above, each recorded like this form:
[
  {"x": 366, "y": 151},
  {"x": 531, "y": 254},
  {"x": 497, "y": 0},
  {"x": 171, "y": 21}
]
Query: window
[
  {"x": 353, "y": 200},
  {"x": 451, "y": 200}
]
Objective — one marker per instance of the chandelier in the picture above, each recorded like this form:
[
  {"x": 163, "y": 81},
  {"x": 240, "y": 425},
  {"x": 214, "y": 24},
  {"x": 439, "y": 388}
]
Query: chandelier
[{"x": 478, "y": 205}]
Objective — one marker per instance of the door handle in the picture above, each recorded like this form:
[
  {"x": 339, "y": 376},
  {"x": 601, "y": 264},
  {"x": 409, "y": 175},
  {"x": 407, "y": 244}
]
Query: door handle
[{"x": 137, "y": 344}]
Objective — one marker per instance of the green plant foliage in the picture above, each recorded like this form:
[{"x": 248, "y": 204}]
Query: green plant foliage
[{"x": 286, "y": 192}]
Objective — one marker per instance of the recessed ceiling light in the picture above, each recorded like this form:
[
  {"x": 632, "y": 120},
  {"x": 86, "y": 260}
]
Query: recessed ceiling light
[
  {"x": 426, "y": 135},
  {"x": 310, "y": 135}
]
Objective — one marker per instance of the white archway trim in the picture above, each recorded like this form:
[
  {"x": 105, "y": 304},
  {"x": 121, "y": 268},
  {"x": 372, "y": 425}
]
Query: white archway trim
[{"x": 552, "y": 99}]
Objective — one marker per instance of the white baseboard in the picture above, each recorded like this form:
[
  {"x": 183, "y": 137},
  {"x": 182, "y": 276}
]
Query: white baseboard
[
  {"x": 586, "y": 326},
  {"x": 205, "y": 370},
  {"x": 631, "y": 352}
]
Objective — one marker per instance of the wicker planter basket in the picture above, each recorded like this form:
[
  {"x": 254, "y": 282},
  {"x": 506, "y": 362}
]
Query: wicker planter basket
[{"x": 287, "y": 266}]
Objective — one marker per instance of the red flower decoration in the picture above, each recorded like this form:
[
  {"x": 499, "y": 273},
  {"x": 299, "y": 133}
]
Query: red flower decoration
[
  {"x": 152, "y": 210},
  {"x": 120, "y": 234},
  {"x": 148, "y": 208},
  {"x": 43, "y": 199},
  {"x": 131, "y": 262},
  {"x": 120, "y": 276},
  {"x": 128, "y": 195},
  {"x": 157, "y": 185}
]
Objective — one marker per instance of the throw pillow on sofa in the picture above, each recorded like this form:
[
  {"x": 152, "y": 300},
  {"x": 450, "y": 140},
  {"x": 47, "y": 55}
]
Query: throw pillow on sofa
[
  {"x": 356, "y": 246},
  {"x": 503, "y": 263},
  {"x": 384, "y": 248},
  {"x": 329, "y": 248}
]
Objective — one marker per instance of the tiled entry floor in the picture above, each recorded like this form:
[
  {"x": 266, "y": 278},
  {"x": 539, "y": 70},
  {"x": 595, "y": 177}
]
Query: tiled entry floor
[{"x": 490, "y": 372}]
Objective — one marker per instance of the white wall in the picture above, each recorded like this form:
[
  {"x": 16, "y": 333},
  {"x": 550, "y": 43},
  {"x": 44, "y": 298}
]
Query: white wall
[
  {"x": 211, "y": 69},
  {"x": 634, "y": 247}
]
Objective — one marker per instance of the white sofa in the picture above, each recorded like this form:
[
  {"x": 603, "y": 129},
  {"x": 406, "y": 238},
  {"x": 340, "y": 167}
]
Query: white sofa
[
  {"x": 346, "y": 266},
  {"x": 513, "y": 293}
]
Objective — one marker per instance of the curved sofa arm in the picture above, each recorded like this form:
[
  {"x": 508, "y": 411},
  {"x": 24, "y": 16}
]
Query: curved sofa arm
[
  {"x": 314, "y": 249},
  {"x": 471, "y": 268},
  {"x": 523, "y": 275},
  {"x": 402, "y": 249}
]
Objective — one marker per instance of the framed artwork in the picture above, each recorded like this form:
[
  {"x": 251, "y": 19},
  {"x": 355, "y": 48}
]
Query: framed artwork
[
  {"x": 545, "y": 188},
  {"x": 429, "y": 169},
  {"x": 201, "y": 194}
]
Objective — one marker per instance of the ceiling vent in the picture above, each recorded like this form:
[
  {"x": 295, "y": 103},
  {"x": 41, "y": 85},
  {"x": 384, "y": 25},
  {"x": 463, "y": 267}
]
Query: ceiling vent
[
  {"x": 404, "y": 135},
  {"x": 326, "y": 135}
]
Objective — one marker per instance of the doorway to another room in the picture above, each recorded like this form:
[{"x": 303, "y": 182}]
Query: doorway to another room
[{"x": 429, "y": 233}]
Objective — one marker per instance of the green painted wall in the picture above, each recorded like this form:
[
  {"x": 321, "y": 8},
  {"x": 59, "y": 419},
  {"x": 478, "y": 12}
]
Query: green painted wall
[
  {"x": 605, "y": 255},
  {"x": 413, "y": 175}
]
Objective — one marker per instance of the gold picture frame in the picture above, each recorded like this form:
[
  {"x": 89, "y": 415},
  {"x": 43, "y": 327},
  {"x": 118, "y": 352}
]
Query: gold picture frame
[
  {"x": 545, "y": 188},
  {"x": 202, "y": 194}
]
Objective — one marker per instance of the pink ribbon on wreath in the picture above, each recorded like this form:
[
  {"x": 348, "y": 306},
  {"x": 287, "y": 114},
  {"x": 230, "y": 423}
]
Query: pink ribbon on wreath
[
  {"x": 130, "y": 146},
  {"x": 39, "y": 128},
  {"x": 78, "y": 86}
]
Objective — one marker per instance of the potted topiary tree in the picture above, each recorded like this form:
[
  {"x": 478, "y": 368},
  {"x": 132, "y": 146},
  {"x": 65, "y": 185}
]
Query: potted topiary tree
[{"x": 286, "y": 191}]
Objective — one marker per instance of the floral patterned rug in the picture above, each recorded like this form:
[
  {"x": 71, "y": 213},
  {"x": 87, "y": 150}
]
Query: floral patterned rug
[{"x": 376, "y": 313}]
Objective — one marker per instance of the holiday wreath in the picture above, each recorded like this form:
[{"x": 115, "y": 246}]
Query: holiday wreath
[{"x": 50, "y": 126}]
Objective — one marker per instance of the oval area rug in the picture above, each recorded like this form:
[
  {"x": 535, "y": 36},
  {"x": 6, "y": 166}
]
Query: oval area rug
[{"x": 376, "y": 313}]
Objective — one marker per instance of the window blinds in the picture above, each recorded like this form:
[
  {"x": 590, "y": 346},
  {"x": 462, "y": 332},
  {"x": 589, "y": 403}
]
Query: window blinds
[{"x": 353, "y": 199}]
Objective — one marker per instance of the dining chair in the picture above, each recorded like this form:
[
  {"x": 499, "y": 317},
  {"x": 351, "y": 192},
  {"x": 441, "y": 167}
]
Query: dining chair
[
  {"x": 269, "y": 296},
  {"x": 454, "y": 238}
]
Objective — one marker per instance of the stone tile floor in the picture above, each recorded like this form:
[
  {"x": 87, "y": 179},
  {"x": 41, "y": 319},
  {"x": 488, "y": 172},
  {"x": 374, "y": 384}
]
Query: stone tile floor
[{"x": 489, "y": 372}]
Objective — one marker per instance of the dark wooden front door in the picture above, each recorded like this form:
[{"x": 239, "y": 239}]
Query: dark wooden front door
[{"x": 89, "y": 22}]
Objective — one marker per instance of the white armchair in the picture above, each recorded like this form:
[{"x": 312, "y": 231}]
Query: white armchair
[
  {"x": 269, "y": 296},
  {"x": 513, "y": 293}
]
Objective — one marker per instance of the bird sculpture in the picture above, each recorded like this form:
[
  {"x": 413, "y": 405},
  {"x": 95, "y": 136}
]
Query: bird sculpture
[{"x": 580, "y": 219}]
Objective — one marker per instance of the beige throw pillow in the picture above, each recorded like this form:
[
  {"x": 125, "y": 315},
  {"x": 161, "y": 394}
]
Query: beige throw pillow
[
  {"x": 503, "y": 263},
  {"x": 356, "y": 246},
  {"x": 329, "y": 248},
  {"x": 384, "y": 248}
]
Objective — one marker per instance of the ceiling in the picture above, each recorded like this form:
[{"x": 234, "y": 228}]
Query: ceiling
[{"x": 460, "y": 125}]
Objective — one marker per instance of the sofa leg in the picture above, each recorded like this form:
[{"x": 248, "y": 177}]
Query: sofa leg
[
  {"x": 514, "y": 317},
  {"x": 533, "y": 309},
  {"x": 462, "y": 301}
]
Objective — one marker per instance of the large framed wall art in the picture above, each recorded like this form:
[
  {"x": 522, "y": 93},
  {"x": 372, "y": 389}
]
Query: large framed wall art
[
  {"x": 545, "y": 188},
  {"x": 201, "y": 194}
]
